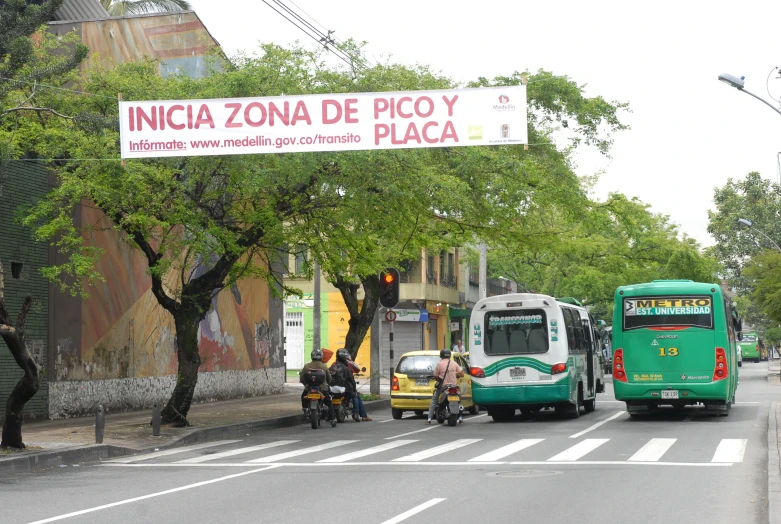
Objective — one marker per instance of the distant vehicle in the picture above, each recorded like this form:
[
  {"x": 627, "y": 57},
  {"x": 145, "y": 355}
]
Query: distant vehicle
[
  {"x": 749, "y": 346},
  {"x": 675, "y": 344},
  {"x": 531, "y": 352},
  {"x": 412, "y": 387}
]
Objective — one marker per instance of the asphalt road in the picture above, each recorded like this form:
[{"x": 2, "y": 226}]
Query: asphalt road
[{"x": 602, "y": 467}]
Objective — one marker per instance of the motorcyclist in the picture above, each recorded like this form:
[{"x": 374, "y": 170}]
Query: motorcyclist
[
  {"x": 317, "y": 363},
  {"x": 343, "y": 376},
  {"x": 447, "y": 372}
]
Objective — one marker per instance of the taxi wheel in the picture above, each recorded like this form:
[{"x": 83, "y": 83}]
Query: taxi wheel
[
  {"x": 396, "y": 413},
  {"x": 474, "y": 409},
  {"x": 419, "y": 412}
]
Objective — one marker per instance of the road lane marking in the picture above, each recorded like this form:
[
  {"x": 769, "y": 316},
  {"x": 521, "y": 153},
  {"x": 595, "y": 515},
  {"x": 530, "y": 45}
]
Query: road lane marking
[
  {"x": 578, "y": 450},
  {"x": 730, "y": 450},
  {"x": 653, "y": 450},
  {"x": 412, "y": 432},
  {"x": 509, "y": 449},
  {"x": 413, "y": 511},
  {"x": 299, "y": 452},
  {"x": 233, "y": 452},
  {"x": 151, "y": 495},
  {"x": 384, "y": 421},
  {"x": 165, "y": 453},
  {"x": 369, "y": 451},
  {"x": 595, "y": 426},
  {"x": 437, "y": 450},
  {"x": 445, "y": 464}
]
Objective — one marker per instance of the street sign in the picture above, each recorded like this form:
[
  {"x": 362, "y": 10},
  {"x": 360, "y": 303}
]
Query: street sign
[{"x": 390, "y": 316}]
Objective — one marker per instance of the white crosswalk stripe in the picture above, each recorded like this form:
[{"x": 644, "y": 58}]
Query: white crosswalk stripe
[
  {"x": 174, "y": 451},
  {"x": 299, "y": 452},
  {"x": 438, "y": 450},
  {"x": 579, "y": 450},
  {"x": 368, "y": 451},
  {"x": 653, "y": 450},
  {"x": 234, "y": 452},
  {"x": 730, "y": 450},
  {"x": 509, "y": 449}
]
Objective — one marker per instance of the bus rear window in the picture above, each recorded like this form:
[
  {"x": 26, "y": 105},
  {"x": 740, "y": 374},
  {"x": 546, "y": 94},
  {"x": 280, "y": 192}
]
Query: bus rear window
[
  {"x": 668, "y": 311},
  {"x": 516, "y": 332}
]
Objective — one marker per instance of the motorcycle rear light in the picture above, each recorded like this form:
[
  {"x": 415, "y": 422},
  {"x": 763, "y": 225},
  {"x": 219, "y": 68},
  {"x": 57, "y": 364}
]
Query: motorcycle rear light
[
  {"x": 619, "y": 373},
  {"x": 477, "y": 372},
  {"x": 452, "y": 390},
  {"x": 720, "y": 372},
  {"x": 560, "y": 367},
  {"x": 395, "y": 384}
]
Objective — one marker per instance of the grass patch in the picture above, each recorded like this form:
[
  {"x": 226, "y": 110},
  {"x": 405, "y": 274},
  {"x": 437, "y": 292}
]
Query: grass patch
[
  {"x": 14, "y": 451},
  {"x": 369, "y": 396},
  {"x": 292, "y": 372}
]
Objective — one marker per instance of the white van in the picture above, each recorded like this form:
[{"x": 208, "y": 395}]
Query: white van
[{"x": 532, "y": 351}]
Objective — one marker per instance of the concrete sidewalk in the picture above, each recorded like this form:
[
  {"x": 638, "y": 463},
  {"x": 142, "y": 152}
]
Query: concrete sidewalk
[
  {"x": 774, "y": 448},
  {"x": 53, "y": 443}
]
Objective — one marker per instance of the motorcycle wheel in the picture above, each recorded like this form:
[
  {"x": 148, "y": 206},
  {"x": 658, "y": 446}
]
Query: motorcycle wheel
[
  {"x": 440, "y": 419},
  {"x": 340, "y": 415},
  {"x": 333, "y": 423},
  {"x": 314, "y": 419},
  {"x": 452, "y": 420}
]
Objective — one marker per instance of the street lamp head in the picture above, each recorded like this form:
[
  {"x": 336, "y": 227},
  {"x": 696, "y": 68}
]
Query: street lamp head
[
  {"x": 745, "y": 222},
  {"x": 732, "y": 80}
]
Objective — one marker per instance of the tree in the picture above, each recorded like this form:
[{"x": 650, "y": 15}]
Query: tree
[
  {"x": 136, "y": 7},
  {"x": 765, "y": 271},
  {"x": 29, "y": 58}
]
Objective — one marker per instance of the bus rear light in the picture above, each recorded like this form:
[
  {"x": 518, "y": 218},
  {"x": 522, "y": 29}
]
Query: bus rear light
[
  {"x": 395, "y": 384},
  {"x": 619, "y": 373},
  {"x": 720, "y": 372},
  {"x": 477, "y": 372},
  {"x": 561, "y": 367}
]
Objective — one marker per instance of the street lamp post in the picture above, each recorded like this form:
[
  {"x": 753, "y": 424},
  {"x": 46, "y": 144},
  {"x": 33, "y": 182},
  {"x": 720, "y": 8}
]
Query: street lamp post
[
  {"x": 739, "y": 84},
  {"x": 750, "y": 224}
]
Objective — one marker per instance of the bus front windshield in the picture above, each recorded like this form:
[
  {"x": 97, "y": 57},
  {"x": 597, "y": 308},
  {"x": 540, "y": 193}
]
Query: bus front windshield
[{"x": 668, "y": 311}]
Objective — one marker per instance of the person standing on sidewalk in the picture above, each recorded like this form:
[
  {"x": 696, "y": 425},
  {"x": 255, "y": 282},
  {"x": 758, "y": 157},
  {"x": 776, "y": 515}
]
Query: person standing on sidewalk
[{"x": 343, "y": 376}]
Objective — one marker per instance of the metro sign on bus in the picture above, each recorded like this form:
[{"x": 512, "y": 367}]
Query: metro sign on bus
[{"x": 333, "y": 122}]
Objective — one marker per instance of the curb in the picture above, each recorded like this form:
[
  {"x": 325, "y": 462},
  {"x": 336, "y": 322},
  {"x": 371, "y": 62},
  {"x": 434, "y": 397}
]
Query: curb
[
  {"x": 773, "y": 468},
  {"x": 43, "y": 460}
]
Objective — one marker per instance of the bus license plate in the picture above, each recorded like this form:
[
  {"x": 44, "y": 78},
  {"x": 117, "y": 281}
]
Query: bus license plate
[
  {"x": 518, "y": 372},
  {"x": 670, "y": 393},
  {"x": 421, "y": 382},
  {"x": 453, "y": 398}
]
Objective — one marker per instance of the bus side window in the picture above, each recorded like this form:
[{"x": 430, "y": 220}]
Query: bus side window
[{"x": 568, "y": 322}]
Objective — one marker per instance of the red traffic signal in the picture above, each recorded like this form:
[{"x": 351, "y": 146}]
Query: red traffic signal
[{"x": 389, "y": 287}]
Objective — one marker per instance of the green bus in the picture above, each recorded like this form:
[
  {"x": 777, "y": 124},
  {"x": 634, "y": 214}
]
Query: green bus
[
  {"x": 675, "y": 344},
  {"x": 749, "y": 346}
]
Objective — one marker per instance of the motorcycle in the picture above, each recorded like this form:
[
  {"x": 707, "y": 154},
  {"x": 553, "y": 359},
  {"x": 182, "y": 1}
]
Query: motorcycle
[
  {"x": 317, "y": 410},
  {"x": 449, "y": 406}
]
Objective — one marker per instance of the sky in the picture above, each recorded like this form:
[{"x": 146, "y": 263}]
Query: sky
[{"x": 689, "y": 132}]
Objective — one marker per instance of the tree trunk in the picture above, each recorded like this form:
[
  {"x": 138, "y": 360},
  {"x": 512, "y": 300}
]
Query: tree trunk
[
  {"x": 360, "y": 319},
  {"x": 28, "y": 385},
  {"x": 189, "y": 360}
]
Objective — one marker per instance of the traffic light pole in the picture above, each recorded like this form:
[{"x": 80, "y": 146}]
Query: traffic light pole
[
  {"x": 374, "y": 354},
  {"x": 391, "y": 352}
]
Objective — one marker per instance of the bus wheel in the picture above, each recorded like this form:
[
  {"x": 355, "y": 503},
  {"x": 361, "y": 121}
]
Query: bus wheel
[
  {"x": 728, "y": 407},
  {"x": 590, "y": 405}
]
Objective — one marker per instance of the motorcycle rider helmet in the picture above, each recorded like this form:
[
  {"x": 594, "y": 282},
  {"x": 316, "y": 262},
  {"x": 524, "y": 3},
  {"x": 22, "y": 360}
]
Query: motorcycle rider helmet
[
  {"x": 317, "y": 354},
  {"x": 342, "y": 355},
  {"x": 445, "y": 353}
]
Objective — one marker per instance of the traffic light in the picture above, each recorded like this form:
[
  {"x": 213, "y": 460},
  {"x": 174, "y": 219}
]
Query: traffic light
[{"x": 389, "y": 287}]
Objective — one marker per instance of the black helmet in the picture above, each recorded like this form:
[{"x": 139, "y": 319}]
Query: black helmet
[
  {"x": 445, "y": 353},
  {"x": 317, "y": 354},
  {"x": 342, "y": 355}
]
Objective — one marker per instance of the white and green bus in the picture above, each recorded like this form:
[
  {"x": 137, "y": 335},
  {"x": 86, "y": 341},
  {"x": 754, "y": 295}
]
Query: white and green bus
[{"x": 531, "y": 352}]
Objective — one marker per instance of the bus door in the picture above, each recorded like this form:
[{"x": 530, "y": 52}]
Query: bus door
[
  {"x": 669, "y": 339},
  {"x": 589, "y": 353}
]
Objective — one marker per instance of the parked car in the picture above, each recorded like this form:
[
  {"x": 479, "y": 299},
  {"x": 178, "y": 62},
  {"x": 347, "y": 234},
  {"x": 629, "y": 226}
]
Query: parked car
[{"x": 411, "y": 389}]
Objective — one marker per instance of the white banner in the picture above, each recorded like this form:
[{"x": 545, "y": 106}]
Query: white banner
[{"x": 333, "y": 122}]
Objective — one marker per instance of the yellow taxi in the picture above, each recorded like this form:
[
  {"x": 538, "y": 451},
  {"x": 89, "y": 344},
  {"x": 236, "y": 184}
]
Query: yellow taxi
[{"x": 411, "y": 390}]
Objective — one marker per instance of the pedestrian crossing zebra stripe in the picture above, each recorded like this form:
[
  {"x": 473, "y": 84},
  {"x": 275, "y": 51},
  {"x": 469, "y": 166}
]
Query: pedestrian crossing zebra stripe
[{"x": 728, "y": 451}]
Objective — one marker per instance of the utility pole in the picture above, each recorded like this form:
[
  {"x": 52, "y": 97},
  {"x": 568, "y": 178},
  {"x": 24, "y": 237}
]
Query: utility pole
[
  {"x": 483, "y": 276},
  {"x": 316, "y": 316}
]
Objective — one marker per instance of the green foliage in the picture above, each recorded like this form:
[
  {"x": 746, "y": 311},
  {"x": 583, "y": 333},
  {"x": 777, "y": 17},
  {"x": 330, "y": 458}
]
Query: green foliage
[{"x": 765, "y": 271}]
